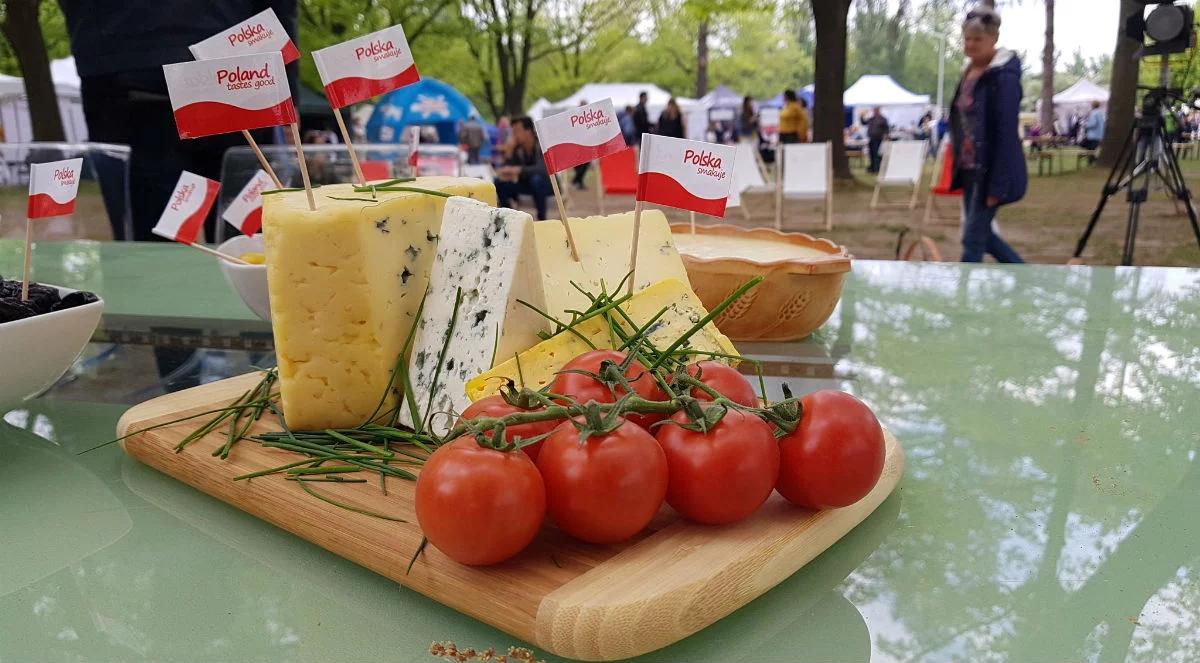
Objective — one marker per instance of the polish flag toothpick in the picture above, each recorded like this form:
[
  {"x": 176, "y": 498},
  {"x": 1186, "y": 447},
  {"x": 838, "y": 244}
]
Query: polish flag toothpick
[
  {"x": 575, "y": 137},
  {"x": 245, "y": 211},
  {"x": 685, "y": 174},
  {"x": 366, "y": 66},
  {"x": 361, "y": 68},
  {"x": 580, "y": 135},
  {"x": 237, "y": 93},
  {"x": 52, "y": 190},
  {"x": 261, "y": 33},
  {"x": 414, "y": 144},
  {"x": 183, "y": 217}
]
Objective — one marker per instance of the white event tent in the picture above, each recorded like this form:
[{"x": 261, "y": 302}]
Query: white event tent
[
  {"x": 902, "y": 108},
  {"x": 14, "y": 109},
  {"x": 626, "y": 94},
  {"x": 1078, "y": 99}
]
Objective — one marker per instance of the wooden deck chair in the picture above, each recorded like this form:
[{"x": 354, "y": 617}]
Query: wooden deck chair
[
  {"x": 807, "y": 174},
  {"x": 902, "y": 165},
  {"x": 940, "y": 187},
  {"x": 747, "y": 175}
]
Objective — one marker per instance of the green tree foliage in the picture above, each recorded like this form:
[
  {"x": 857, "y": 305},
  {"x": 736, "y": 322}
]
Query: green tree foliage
[{"x": 54, "y": 30}]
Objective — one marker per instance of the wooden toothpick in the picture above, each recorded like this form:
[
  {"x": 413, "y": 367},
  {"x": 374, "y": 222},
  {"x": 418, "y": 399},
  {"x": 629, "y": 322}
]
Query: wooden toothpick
[
  {"x": 312, "y": 203},
  {"x": 262, "y": 159}
]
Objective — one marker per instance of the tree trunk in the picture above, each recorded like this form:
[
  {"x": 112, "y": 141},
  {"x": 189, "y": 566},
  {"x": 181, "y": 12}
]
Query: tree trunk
[
  {"x": 1123, "y": 89},
  {"x": 1048, "y": 70},
  {"x": 24, "y": 34},
  {"x": 829, "y": 119},
  {"x": 702, "y": 59}
]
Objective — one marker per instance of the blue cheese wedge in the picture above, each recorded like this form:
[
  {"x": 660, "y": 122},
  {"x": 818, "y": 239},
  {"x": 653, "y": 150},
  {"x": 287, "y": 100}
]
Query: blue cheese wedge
[{"x": 486, "y": 258}]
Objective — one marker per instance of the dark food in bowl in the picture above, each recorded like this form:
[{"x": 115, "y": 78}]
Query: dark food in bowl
[{"x": 42, "y": 299}]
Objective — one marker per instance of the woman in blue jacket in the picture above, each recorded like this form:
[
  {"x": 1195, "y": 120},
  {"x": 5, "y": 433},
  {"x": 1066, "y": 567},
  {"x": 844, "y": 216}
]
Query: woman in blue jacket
[{"x": 988, "y": 157}]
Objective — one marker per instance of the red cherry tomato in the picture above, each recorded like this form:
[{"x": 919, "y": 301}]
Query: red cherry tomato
[
  {"x": 723, "y": 475},
  {"x": 477, "y": 505},
  {"x": 496, "y": 406},
  {"x": 835, "y": 456},
  {"x": 725, "y": 380},
  {"x": 606, "y": 489},
  {"x": 584, "y": 388}
]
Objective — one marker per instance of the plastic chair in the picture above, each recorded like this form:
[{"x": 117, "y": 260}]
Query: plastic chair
[
  {"x": 747, "y": 175},
  {"x": 804, "y": 172},
  {"x": 618, "y": 173},
  {"x": 903, "y": 163}
]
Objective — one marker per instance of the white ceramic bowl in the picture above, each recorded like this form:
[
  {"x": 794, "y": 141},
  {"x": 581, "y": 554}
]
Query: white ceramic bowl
[
  {"x": 35, "y": 352},
  {"x": 250, "y": 281}
]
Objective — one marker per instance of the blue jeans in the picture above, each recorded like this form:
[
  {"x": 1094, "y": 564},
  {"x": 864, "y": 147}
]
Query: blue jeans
[
  {"x": 979, "y": 227},
  {"x": 536, "y": 186}
]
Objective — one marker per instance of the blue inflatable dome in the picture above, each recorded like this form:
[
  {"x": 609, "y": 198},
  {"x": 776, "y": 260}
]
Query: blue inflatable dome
[{"x": 426, "y": 102}]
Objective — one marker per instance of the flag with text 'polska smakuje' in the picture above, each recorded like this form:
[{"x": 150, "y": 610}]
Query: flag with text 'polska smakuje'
[
  {"x": 183, "y": 217},
  {"x": 580, "y": 135},
  {"x": 366, "y": 66},
  {"x": 53, "y": 187},
  {"x": 685, "y": 174},
  {"x": 245, "y": 210}
]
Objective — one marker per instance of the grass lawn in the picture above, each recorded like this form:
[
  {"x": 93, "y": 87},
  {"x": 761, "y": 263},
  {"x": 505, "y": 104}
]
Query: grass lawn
[{"x": 1043, "y": 228}]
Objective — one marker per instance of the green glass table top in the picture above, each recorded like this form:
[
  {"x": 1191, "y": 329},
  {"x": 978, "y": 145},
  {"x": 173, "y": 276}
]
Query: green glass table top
[
  {"x": 159, "y": 279},
  {"x": 1047, "y": 513}
]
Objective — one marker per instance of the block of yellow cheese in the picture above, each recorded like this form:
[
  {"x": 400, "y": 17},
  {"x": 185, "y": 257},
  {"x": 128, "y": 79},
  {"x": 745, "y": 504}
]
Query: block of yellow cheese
[
  {"x": 345, "y": 283},
  {"x": 604, "y": 243},
  {"x": 539, "y": 364}
]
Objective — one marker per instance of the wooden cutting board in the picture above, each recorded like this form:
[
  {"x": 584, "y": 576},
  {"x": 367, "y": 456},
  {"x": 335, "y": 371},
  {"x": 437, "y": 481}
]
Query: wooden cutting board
[{"x": 572, "y": 599}]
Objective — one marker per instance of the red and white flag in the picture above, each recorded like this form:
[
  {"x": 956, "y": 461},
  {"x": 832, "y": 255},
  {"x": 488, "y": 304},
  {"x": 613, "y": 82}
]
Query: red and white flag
[
  {"x": 229, "y": 94},
  {"x": 685, "y": 174},
  {"x": 580, "y": 135},
  {"x": 184, "y": 215},
  {"x": 366, "y": 67},
  {"x": 245, "y": 211},
  {"x": 414, "y": 144},
  {"x": 261, "y": 33},
  {"x": 52, "y": 188}
]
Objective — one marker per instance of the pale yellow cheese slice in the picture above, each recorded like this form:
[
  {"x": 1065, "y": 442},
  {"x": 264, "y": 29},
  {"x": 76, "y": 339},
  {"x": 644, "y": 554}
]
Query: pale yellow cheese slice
[
  {"x": 604, "y": 243},
  {"x": 539, "y": 364}
]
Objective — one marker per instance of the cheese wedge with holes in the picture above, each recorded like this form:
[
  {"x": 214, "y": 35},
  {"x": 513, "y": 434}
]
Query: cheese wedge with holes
[
  {"x": 539, "y": 364},
  {"x": 604, "y": 243},
  {"x": 345, "y": 282},
  {"x": 487, "y": 262}
]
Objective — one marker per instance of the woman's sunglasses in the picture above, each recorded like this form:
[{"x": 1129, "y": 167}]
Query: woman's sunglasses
[{"x": 982, "y": 17}]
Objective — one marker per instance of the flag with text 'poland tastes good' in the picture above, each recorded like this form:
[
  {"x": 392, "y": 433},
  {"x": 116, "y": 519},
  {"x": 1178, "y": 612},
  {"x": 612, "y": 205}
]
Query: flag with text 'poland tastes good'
[
  {"x": 580, "y": 135},
  {"x": 261, "y": 33},
  {"x": 52, "y": 188},
  {"x": 229, "y": 94},
  {"x": 245, "y": 211},
  {"x": 366, "y": 67},
  {"x": 685, "y": 174},
  {"x": 184, "y": 215}
]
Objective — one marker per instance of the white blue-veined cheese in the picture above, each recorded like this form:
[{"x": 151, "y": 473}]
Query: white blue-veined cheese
[{"x": 490, "y": 255}]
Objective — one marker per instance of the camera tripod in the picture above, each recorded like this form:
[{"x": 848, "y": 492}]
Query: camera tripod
[{"x": 1146, "y": 153}]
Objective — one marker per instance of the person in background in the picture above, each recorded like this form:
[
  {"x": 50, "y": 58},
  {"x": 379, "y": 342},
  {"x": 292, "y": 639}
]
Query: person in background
[
  {"x": 670, "y": 121},
  {"x": 524, "y": 170},
  {"x": 747, "y": 120},
  {"x": 471, "y": 137},
  {"x": 503, "y": 130},
  {"x": 641, "y": 119},
  {"x": 119, "y": 50},
  {"x": 625, "y": 121},
  {"x": 989, "y": 162},
  {"x": 878, "y": 131},
  {"x": 793, "y": 121},
  {"x": 806, "y": 134},
  {"x": 1093, "y": 130}
]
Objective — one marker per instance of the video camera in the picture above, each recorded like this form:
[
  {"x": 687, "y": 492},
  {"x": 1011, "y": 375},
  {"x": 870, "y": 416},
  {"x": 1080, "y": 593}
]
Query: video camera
[{"x": 1170, "y": 27}]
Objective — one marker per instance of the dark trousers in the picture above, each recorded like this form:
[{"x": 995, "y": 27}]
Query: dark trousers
[
  {"x": 124, "y": 109},
  {"x": 979, "y": 234},
  {"x": 536, "y": 186},
  {"x": 875, "y": 147},
  {"x": 580, "y": 173}
]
